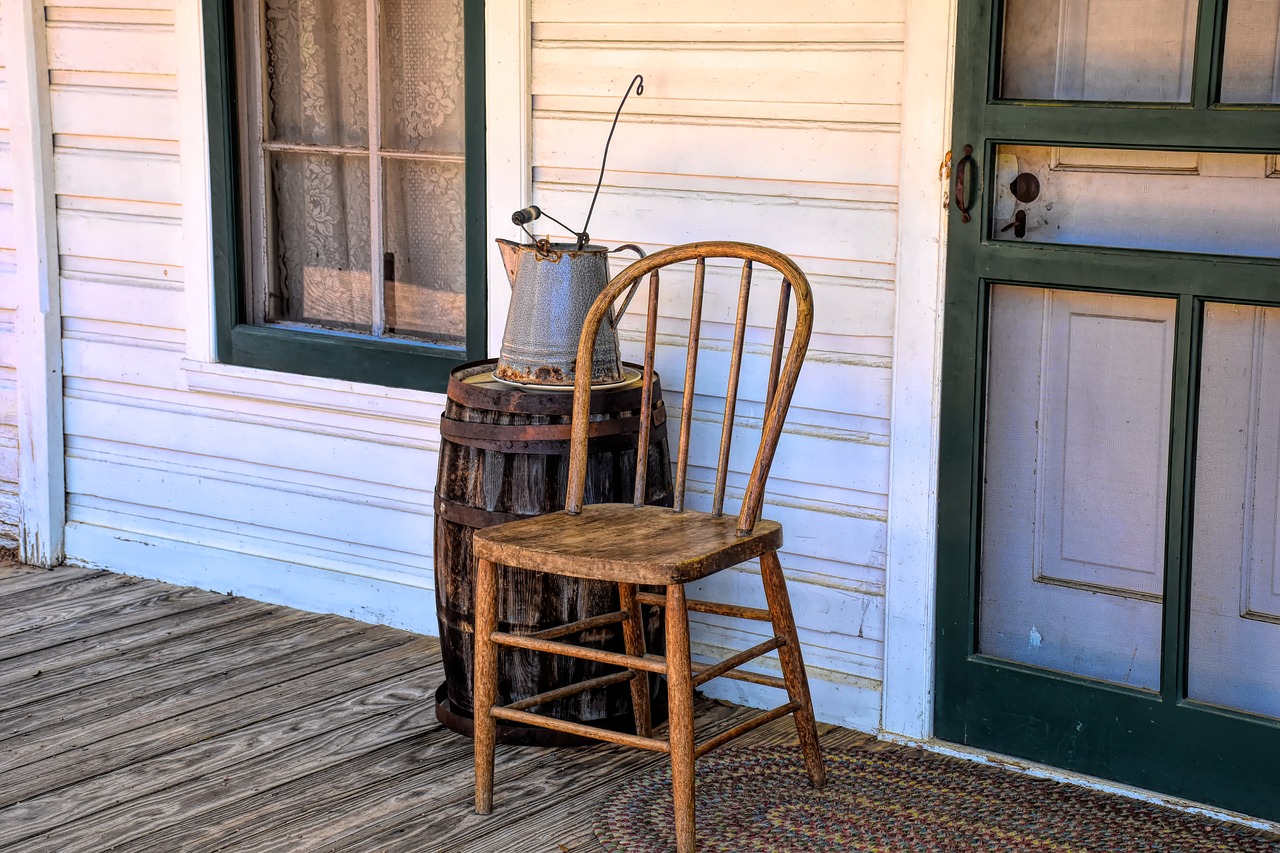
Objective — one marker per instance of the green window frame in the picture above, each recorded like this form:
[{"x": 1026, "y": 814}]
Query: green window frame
[{"x": 379, "y": 361}]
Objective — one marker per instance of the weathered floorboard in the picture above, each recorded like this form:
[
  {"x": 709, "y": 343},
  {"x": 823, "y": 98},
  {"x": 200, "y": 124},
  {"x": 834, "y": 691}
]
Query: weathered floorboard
[
  {"x": 14, "y": 582},
  {"x": 173, "y": 719},
  {"x": 167, "y": 601},
  {"x": 281, "y": 700},
  {"x": 251, "y": 667},
  {"x": 194, "y": 640},
  {"x": 211, "y": 755},
  {"x": 129, "y": 640}
]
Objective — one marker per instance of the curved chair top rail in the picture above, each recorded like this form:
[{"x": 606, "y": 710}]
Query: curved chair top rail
[{"x": 783, "y": 370}]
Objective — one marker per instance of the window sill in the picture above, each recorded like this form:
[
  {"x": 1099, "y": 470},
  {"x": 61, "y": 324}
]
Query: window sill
[{"x": 339, "y": 396}]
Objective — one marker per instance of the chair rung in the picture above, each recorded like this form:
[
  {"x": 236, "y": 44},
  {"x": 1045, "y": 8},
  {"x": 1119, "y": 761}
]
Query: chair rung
[
  {"x": 648, "y": 663},
  {"x": 744, "y": 727},
  {"x": 571, "y": 690},
  {"x": 649, "y": 743},
  {"x": 579, "y": 626},
  {"x": 704, "y": 675},
  {"x": 757, "y": 678},
  {"x": 713, "y": 607}
]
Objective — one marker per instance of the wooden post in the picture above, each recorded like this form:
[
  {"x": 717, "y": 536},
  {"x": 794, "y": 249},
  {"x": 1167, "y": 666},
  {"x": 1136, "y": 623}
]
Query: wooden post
[
  {"x": 633, "y": 642},
  {"x": 680, "y": 717},
  {"x": 784, "y": 626},
  {"x": 485, "y": 685}
]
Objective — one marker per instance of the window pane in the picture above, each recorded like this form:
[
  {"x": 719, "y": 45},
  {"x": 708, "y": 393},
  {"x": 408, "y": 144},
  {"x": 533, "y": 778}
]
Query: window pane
[
  {"x": 425, "y": 245},
  {"x": 1235, "y": 570},
  {"x": 422, "y": 76},
  {"x": 321, "y": 271},
  {"x": 1251, "y": 61},
  {"x": 1181, "y": 201},
  {"x": 1098, "y": 50},
  {"x": 317, "y": 72}
]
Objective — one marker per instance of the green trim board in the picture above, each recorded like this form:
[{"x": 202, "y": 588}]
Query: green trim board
[
  {"x": 386, "y": 361},
  {"x": 1157, "y": 740}
]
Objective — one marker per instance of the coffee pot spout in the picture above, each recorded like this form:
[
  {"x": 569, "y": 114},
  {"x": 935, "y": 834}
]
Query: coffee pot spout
[{"x": 510, "y": 258}]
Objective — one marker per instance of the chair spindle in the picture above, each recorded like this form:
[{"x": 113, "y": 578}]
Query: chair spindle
[
  {"x": 775, "y": 364},
  {"x": 731, "y": 393},
  {"x": 646, "y": 393},
  {"x": 690, "y": 375},
  {"x": 779, "y": 338}
]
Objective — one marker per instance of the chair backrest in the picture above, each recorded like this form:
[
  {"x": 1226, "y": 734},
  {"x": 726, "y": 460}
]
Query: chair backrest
[{"x": 784, "y": 368}]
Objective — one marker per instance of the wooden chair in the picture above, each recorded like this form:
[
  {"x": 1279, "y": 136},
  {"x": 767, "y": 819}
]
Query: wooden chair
[{"x": 635, "y": 545}]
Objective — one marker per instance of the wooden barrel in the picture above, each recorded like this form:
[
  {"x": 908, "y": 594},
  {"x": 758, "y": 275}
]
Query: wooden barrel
[{"x": 504, "y": 456}]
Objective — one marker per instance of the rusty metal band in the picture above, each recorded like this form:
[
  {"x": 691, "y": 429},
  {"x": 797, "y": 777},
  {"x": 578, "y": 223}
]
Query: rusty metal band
[
  {"x": 463, "y": 432},
  {"x": 610, "y": 440},
  {"x": 470, "y": 516}
]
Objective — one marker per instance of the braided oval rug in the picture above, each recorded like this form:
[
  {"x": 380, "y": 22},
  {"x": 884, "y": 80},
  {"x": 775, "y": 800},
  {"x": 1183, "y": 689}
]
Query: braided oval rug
[{"x": 899, "y": 800}]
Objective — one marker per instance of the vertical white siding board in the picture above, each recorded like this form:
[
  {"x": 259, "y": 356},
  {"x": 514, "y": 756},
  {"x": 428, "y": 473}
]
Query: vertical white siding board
[
  {"x": 508, "y": 142},
  {"x": 912, "y": 559},
  {"x": 41, "y": 477},
  {"x": 192, "y": 127}
]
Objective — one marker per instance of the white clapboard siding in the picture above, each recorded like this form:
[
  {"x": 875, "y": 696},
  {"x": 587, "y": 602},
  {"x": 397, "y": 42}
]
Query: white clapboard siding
[
  {"x": 8, "y": 341},
  {"x": 775, "y": 124},
  {"x": 767, "y": 122}
]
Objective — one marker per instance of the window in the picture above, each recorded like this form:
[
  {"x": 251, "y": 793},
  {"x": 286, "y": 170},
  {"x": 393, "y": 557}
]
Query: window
[{"x": 351, "y": 238}]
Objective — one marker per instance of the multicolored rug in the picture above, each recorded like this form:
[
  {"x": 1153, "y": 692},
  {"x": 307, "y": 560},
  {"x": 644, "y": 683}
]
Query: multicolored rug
[{"x": 899, "y": 801}]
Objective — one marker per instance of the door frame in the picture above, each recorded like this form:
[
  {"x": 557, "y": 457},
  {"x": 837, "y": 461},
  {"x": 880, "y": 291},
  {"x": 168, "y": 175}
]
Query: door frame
[{"x": 1066, "y": 721}]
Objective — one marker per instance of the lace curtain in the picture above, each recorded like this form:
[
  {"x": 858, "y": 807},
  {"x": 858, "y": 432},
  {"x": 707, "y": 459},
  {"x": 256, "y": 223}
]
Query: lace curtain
[
  {"x": 317, "y": 67},
  {"x": 424, "y": 200}
]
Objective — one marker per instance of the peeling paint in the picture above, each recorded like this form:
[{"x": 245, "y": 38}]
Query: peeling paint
[{"x": 1034, "y": 638}]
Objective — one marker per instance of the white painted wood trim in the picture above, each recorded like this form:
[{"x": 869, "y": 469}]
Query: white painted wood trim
[
  {"x": 193, "y": 143},
  {"x": 911, "y": 561},
  {"x": 41, "y": 474},
  {"x": 508, "y": 143},
  {"x": 508, "y": 50}
]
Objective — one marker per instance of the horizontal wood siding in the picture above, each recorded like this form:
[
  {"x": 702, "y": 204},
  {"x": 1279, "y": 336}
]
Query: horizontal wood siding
[
  {"x": 773, "y": 123},
  {"x": 276, "y": 491},
  {"x": 8, "y": 342},
  {"x": 779, "y": 128}
]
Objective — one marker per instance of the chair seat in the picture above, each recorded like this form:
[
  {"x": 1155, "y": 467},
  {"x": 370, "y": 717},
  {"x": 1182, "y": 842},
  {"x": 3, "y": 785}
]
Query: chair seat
[{"x": 627, "y": 544}]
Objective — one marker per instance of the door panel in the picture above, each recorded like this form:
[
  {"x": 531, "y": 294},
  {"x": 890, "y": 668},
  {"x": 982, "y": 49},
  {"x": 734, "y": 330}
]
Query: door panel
[
  {"x": 1098, "y": 50},
  {"x": 1183, "y": 201},
  {"x": 1235, "y": 581},
  {"x": 1077, "y": 423},
  {"x": 1251, "y": 55}
]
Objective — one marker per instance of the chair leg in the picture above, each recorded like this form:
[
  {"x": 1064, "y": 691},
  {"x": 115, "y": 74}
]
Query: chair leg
[
  {"x": 680, "y": 716},
  {"x": 485, "y": 681},
  {"x": 633, "y": 641},
  {"x": 784, "y": 626}
]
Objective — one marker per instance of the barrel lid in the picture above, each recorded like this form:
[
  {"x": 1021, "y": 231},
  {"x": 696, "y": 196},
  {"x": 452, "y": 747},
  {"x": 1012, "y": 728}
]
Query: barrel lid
[{"x": 473, "y": 385}]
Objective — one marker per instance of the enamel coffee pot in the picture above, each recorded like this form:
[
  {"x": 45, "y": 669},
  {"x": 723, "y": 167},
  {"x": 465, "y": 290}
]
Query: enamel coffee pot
[{"x": 552, "y": 287}]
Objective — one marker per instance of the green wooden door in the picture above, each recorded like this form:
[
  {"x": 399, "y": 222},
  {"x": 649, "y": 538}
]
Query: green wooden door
[{"x": 1109, "y": 511}]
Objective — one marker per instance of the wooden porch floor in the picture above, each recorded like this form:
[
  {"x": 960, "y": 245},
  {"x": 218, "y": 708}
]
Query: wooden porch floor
[{"x": 135, "y": 715}]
